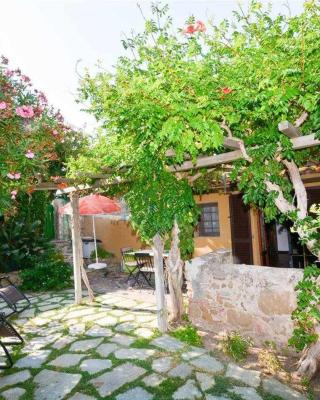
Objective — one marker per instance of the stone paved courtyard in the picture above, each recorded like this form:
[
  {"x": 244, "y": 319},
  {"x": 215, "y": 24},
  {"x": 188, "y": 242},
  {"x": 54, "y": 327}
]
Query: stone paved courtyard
[{"x": 111, "y": 350}]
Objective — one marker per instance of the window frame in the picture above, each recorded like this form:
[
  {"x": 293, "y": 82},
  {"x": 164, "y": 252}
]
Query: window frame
[{"x": 201, "y": 230}]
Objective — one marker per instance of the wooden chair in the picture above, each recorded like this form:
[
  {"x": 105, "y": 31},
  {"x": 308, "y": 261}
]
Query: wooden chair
[
  {"x": 11, "y": 295},
  {"x": 8, "y": 331},
  {"x": 145, "y": 268}
]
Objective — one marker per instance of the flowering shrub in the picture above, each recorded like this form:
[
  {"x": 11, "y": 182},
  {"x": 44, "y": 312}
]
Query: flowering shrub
[{"x": 34, "y": 140}]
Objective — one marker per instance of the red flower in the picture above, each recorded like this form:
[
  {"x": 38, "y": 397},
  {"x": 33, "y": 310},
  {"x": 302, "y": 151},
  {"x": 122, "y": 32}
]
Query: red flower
[
  {"x": 200, "y": 26},
  {"x": 190, "y": 29},
  {"x": 226, "y": 90}
]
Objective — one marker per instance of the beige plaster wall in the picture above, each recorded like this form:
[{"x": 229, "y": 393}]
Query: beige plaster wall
[
  {"x": 113, "y": 234},
  {"x": 204, "y": 245}
]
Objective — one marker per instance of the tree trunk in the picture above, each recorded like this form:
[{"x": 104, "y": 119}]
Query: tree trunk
[
  {"x": 159, "y": 281},
  {"x": 175, "y": 271},
  {"x": 310, "y": 359}
]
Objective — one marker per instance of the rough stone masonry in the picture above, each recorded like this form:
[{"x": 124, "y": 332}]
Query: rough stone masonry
[{"x": 256, "y": 301}]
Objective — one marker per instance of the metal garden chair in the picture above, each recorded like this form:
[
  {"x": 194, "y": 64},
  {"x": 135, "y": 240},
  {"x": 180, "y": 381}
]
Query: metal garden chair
[
  {"x": 129, "y": 263},
  {"x": 145, "y": 268},
  {"x": 8, "y": 331},
  {"x": 11, "y": 295}
]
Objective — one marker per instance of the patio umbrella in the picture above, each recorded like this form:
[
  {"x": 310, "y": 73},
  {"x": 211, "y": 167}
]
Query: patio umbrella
[{"x": 93, "y": 205}]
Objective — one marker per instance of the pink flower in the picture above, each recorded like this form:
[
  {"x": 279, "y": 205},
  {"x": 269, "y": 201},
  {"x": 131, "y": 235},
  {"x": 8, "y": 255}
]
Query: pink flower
[
  {"x": 14, "y": 175},
  {"x": 29, "y": 154},
  {"x": 4, "y": 60},
  {"x": 55, "y": 132},
  {"x": 190, "y": 29},
  {"x": 9, "y": 73},
  {"x": 25, "y": 111},
  {"x": 226, "y": 90},
  {"x": 200, "y": 26},
  {"x": 14, "y": 194},
  {"x": 3, "y": 105}
]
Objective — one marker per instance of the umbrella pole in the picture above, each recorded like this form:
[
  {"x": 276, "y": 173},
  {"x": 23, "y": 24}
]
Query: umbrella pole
[{"x": 95, "y": 239}]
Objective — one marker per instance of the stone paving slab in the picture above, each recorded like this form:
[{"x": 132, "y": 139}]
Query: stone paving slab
[
  {"x": 168, "y": 343},
  {"x": 162, "y": 364},
  {"x": 153, "y": 380},
  {"x": 67, "y": 360},
  {"x": 15, "y": 378},
  {"x": 107, "y": 383},
  {"x": 188, "y": 391},
  {"x": 81, "y": 396},
  {"x": 206, "y": 381},
  {"x": 92, "y": 366},
  {"x": 134, "y": 354},
  {"x": 106, "y": 348},
  {"x": 99, "y": 331},
  {"x": 33, "y": 360},
  {"x": 135, "y": 394},
  {"x": 13, "y": 394},
  {"x": 52, "y": 385},
  {"x": 247, "y": 376},
  {"x": 182, "y": 371},
  {"x": 277, "y": 388},
  {"x": 207, "y": 363},
  {"x": 123, "y": 340},
  {"x": 85, "y": 345},
  {"x": 246, "y": 393}
]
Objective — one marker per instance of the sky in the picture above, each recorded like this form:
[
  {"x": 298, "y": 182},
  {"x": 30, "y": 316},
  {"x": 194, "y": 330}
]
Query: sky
[{"x": 46, "y": 39}]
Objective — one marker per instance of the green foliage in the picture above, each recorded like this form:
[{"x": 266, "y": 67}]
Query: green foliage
[
  {"x": 309, "y": 229},
  {"x": 236, "y": 346},
  {"x": 307, "y": 313},
  {"x": 102, "y": 253},
  {"x": 187, "y": 334},
  {"x": 49, "y": 272},
  {"x": 20, "y": 240},
  {"x": 34, "y": 140}
]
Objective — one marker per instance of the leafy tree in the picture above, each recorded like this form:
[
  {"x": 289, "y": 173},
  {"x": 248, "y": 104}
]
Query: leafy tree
[
  {"x": 182, "y": 92},
  {"x": 34, "y": 140}
]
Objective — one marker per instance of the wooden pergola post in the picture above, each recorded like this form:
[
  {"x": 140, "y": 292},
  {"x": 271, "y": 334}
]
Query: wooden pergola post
[
  {"x": 76, "y": 245},
  {"x": 162, "y": 312}
]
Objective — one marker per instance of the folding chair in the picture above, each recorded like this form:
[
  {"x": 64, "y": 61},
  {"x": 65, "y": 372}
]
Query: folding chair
[
  {"x": 129, "y": 263},
  {"x": 12, "y": 296},
  {"x": 145, "y": 267},
  {"x": 8, "y": 331}
]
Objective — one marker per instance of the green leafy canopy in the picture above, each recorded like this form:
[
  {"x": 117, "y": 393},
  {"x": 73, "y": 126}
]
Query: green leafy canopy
[{"x": 173, "y": 90}]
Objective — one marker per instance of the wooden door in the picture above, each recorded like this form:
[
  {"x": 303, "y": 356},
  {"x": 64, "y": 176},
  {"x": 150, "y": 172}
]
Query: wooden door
[{"x": 240, "y": 231}]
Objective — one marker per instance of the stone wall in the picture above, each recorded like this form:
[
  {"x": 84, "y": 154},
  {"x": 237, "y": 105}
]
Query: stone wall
[{"x": 256, "y": 301}]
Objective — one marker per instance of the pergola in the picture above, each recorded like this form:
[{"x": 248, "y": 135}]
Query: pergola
[{"x": 237, "y": 152}]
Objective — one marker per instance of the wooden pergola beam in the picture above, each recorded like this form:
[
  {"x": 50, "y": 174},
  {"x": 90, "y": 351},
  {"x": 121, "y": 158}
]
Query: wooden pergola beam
[
  {"x": 298, "y": 143},
  {"x": 289, "y": 130}
]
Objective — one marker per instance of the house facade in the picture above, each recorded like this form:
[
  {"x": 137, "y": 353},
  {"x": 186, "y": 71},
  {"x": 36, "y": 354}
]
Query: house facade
[{"x": 225, "y": 224}]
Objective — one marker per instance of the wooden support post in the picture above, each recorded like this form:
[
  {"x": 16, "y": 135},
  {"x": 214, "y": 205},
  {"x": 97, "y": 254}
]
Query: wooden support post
[
  {"x": 162, "y": 313},
  {"x": 76, "y": 246}
]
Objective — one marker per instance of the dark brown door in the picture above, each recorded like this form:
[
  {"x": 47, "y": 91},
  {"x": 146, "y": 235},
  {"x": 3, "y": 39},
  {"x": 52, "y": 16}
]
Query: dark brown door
[{"x": 240, "y": 230}]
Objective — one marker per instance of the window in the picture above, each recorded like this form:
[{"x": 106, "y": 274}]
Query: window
[{"x": 209, "y": 221}]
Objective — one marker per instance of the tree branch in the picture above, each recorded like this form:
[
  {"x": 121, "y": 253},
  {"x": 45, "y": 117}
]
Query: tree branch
[
  {"x": 282, "y": 204},
  {"x": 241, "y": 144},
  {"x": 301, "y": 119},
  {"x": 299, "y": 188}
]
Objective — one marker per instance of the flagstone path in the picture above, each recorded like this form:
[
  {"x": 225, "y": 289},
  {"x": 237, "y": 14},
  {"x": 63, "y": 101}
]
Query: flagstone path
[{"x": 111, "y": 350}]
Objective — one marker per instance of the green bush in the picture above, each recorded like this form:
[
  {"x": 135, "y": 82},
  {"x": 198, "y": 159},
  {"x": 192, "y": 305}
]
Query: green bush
[
  {"x": 49, "y": 272},
  {"x": 20, "y": 241},
  {"x": 187, "y": 334},
  {"x": 236, "y": 346},
  {"x": 102, "y": 253}
]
